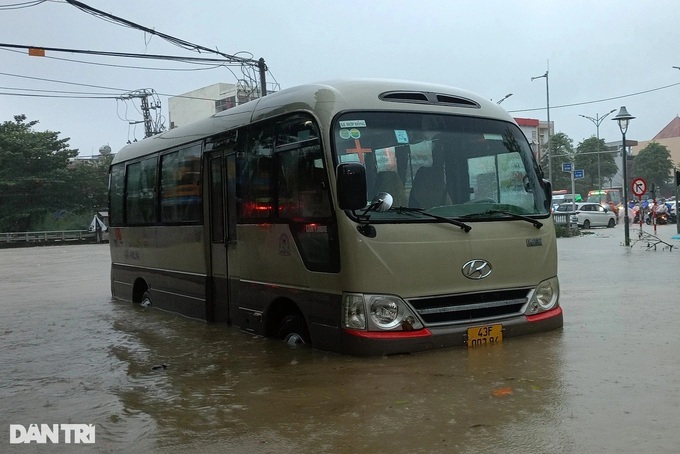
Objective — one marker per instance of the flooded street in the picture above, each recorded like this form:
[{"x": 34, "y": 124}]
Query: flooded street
[{"x": 150, "y": 381}]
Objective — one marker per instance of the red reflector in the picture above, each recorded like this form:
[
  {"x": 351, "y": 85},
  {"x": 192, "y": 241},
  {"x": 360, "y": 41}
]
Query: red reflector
[
  {"x": 545, "y": 315},
  {"x": 389, "y": 334}
]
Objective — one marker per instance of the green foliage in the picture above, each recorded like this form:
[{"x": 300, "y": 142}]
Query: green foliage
[
  {"x": 39, "y": 178},
  {"x": 566, "y": 231},
  {"x": 587, "y": 155},
  {"x": 561, "y": 148},
  {"x": 654, "y": 164},
  {"x": 64, "y": 220}
]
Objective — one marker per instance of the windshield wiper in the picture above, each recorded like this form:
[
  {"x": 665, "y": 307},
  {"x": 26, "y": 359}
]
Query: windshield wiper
[
  {"x": 460, "y": 224},
  {"x": 533, "y": 221}
]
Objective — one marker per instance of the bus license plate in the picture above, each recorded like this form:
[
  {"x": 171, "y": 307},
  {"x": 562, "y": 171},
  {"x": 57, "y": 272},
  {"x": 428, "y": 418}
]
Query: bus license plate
[{"x": 484, "y": 335}]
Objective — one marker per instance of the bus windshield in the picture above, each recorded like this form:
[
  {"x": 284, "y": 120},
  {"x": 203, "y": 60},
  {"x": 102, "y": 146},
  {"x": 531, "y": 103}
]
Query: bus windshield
[{"x": 452, "y": 166}]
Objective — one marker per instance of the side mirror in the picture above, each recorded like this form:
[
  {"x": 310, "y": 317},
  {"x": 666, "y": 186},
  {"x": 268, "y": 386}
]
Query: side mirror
[
  {"x": 547, "y": 187},
  {"x": 351, "y": 186}
]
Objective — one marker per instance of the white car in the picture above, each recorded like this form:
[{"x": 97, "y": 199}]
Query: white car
[{"x": 589, "y": 214}]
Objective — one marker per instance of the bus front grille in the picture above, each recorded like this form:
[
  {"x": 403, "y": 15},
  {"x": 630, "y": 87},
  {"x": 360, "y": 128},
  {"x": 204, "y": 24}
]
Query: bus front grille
[{"x": 448, "y": 309}]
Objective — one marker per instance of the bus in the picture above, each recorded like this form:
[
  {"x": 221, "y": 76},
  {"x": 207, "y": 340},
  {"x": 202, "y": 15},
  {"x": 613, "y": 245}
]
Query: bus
[
  {"x": 562, "y": 196},
  {"x": 608, "y": 198},
  {"x": 364, "y": 217},
  {"x": 603, "y": 196}
]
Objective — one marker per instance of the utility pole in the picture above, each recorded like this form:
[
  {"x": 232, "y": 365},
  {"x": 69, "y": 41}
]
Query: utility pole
[
  {"x": 143, "y": 95},
  {"x": 547, "y": 97},
  {"x": 597, "y": 121}
]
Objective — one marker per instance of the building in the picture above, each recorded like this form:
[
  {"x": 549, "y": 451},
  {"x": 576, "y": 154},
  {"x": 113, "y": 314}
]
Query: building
[
  {"x": 615, "y": 147},
  {"x": 536, "y": 132},
  {"x": 668, "y": 136},
  {"x": 206, "y": 101}
]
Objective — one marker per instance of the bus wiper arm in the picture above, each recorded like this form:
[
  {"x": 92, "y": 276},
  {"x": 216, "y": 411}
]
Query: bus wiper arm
[
  {"x": 460, "y": 224},
  {"x": 535, "y": 222}
]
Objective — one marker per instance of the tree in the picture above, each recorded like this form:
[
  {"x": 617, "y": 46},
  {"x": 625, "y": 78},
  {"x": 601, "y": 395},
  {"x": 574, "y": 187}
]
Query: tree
[
  {"x": 561, "y": 149},
  {"x": 34, "y": 174},
  {"x": 653, "y": 163},
  {"x": 586, "y": 158}
]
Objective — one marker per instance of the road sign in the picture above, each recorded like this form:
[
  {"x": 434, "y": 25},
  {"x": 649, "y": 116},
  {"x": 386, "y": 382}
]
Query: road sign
[
  {"x": 639, "y": 186},
  {"x": 566, "y": 167},
  {"x": 578, "y": 174}
]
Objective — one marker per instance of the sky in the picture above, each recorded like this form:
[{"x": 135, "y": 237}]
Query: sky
[{"x": 599, "y": 55}]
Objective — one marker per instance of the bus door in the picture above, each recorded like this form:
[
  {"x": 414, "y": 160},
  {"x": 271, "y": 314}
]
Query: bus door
[{"x": 221, "y": 219}]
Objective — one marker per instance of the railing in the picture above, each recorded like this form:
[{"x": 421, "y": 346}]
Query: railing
[
  {"x": 55, "y": 236},
  {"x": 563, "y": 217}
]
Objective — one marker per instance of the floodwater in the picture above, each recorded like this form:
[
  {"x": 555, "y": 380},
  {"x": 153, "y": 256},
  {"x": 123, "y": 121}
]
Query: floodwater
[{"x": 154, "y": 382}]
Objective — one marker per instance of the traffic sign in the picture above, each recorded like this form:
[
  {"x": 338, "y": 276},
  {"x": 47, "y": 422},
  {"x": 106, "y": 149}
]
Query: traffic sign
[
  {"x": 639, "y": 186},
  {"x": 566, "y": 167},
  {"x": 579, "y": 174}
]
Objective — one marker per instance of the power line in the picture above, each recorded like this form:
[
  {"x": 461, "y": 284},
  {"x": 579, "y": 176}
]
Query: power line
[
  {"x": 115, "y": 54},
  {"x": 245, "y": 62},
  {"x": 598, "y": 100},
  {"x": 21, "y": 5},
  {"x": 177, "y": 41},
  {"x": 29, "y": 95},
  {"x": 124, "y": 90},
  {"x": 144, "y": 68}
]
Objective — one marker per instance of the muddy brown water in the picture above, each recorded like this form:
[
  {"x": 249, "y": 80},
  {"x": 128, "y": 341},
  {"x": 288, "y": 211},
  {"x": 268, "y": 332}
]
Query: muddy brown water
[{"x": 150, "y": 381}]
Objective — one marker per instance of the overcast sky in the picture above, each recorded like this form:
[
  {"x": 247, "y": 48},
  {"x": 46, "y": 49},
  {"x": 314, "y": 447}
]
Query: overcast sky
[{"x": 600, "y": 55}]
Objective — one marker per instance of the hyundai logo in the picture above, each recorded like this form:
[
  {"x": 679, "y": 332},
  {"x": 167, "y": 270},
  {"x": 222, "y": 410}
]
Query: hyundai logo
[{"x": 476, "y": 269}]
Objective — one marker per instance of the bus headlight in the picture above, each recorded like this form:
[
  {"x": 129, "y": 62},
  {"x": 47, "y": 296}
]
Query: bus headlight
[
  {"x": 544, "y": 297},
  {"x": 384, "y": 312},
  {"x": 378, "y": 313}
]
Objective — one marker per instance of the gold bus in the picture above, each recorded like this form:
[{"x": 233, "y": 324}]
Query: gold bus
[{"x": 367, "y": 217}]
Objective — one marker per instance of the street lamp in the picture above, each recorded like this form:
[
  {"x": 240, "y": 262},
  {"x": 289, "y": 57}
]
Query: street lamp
[
  {"x": 597, "y": 120},
  {"x": 623, "y": 118},
  {"x": 504, "y": 98},
  {"x": 547, "y": 96}
]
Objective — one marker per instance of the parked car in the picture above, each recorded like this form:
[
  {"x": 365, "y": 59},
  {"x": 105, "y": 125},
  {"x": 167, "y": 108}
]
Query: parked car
[{"x": 589, "y": 214}]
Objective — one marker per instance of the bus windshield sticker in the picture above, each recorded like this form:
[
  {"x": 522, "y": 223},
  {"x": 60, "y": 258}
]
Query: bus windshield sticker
[
  {"x": 344, "y": 134},
  {"x": 349, "y": 157},
  {"x": 402, "y": 135},
  {"x": 355, "y": 133},
  {"x": 353, "y": 124},
  {"x": 488, "y": 136},
  {"x": 358, "y": 150}
]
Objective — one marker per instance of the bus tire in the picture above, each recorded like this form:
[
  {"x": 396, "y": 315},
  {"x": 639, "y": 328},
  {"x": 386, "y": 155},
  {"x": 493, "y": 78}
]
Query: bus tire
[{"x": 293, "y": 330}]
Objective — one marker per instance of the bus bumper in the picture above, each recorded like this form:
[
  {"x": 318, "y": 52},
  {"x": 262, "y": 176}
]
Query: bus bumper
[{"x": 365, "y": 343}]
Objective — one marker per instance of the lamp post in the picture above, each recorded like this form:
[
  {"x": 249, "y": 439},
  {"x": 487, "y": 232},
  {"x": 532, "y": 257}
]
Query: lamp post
[
  {"x": 504, "y": 98},
  {"x": 547, "y": 97},
  {"x": 623, "y": 118},
  {"x": 597, "y": 120}
]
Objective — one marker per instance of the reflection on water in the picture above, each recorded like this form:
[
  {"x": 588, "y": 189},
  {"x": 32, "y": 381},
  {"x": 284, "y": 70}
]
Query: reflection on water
[{"x": 212, "y": 386}]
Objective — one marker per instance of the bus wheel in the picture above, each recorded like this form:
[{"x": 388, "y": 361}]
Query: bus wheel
[
  {"x": 293, "y": 330},
  {"x": 146, "y": 299}
]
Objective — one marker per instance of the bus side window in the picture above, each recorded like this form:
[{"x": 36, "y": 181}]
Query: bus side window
[
  {"x": 141, "y": 190},
  {"x": 311, "y": 193},
  {"x": 180, "y": 194}
]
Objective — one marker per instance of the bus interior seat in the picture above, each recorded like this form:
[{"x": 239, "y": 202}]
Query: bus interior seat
[
  {"x": 428, "y": 189},
  {"x": 389, "y": 181}
]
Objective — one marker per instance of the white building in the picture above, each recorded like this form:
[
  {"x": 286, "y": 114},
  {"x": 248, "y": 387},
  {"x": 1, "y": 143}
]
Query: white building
[
  {"x": 536, "y": 132},
  {"x": 206, "y": 101}
]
